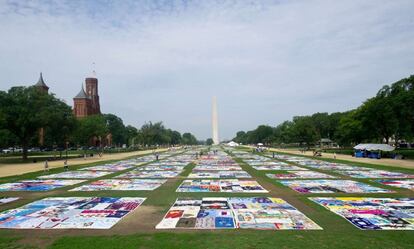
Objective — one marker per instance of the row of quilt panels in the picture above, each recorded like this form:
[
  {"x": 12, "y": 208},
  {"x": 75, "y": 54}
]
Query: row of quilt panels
[
  {"x": 209, "y": 213},
  {"x": 276, "y": 214},
  {"x": 235, "y": 212},
  {"x": 47, "y": 182},
  {"x": 345, "y": 169},
  {"x": 224, "y": 185}
]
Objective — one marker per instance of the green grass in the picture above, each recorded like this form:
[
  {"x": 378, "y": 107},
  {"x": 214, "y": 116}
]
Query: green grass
[
  {"x": 337, "y": 233},
  {"x": 243, "y": 240}
]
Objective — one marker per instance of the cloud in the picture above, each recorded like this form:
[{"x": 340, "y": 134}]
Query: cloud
[{"x": 164, "y": 60}]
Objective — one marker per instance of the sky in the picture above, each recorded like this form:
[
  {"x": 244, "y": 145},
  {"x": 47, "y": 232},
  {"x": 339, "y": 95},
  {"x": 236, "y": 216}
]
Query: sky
[{"x": 266, "y": 61}]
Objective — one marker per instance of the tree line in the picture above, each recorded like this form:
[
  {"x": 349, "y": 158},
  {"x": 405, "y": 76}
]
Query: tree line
[
  {"x": 386, "y": 117},
  {"x": 27, "y": 114}
]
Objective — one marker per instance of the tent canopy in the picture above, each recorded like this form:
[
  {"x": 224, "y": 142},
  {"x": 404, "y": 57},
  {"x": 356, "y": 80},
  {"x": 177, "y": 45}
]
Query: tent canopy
[
  {"x": 232, "y": 144},
  {"x": 369, "y": 147}
]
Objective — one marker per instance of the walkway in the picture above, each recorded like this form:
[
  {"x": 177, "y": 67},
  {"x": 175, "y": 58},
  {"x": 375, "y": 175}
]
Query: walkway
[{"x": 409, "y": 164}]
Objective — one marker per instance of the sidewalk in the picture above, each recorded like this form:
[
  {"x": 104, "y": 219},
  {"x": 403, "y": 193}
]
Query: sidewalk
[
  {"x": 19, "y": 169},
  {"x": 409, "y": 164}
]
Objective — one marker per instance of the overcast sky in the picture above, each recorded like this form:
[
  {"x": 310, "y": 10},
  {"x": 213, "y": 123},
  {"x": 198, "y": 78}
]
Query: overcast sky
[{"x": 266, "y": 61}]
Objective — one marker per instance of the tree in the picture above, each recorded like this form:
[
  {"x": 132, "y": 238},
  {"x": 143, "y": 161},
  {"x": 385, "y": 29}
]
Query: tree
[
  {"x": 131, "y": 134},
  {"x": 209, "y": 141},
  {"x": 117, "y": 128},
  {"x": 379, "y": 118},
  {"x": 189, "y": 139},
  {"x": 64, "y": 123},
  {"x": 304, "y": 131},
  {"x": 175, "y": 137},
  {"x": 25, "y": 110},
  {"x": 241, "y": 137},
  {"x": 89, "y": 128},
  {"x": 262, "y": 134},
  {"x": 350, "y": 129}
]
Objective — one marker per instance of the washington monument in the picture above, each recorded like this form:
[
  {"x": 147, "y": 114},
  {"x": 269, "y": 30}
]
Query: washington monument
[{"x": 214, "y": 121}]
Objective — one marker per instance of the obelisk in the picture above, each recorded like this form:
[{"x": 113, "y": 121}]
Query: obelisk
[{"x": 214, "y": 122}]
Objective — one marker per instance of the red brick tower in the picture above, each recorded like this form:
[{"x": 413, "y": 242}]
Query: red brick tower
[
  {"x": 92, "y": 92},
  {"x": 82, "y": 104}
]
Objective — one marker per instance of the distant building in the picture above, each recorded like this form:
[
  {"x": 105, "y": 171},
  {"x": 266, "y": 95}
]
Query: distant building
[
  {"x": 41, "y": 85},
  {"x": 87, "y": 103}
]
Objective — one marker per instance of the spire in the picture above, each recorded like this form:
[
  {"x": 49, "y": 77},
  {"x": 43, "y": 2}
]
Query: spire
[
  {"x": 81, "y": 94},
  {"x": 41, "y": 82}
]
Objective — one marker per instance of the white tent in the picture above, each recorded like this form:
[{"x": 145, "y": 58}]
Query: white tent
[
  {"x": 232, "y": 144},
  {"x": 370, "y": 147}
]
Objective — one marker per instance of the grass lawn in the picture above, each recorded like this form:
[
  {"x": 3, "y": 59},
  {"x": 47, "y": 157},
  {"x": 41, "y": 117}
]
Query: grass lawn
[{"x": 336, "y": 233}]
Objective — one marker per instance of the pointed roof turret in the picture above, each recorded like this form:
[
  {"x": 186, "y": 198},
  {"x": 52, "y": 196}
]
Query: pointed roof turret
[
  {"x": 81, "y": 94},
  {"x": 41, "y": 84}
]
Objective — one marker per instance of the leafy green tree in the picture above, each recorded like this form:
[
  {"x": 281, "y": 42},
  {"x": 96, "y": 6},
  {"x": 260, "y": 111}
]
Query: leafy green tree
[
  {"x": 89, "y": 128},
  {"x": 189, "y": 139},
  {"x": 304, "y": 131},
  {"x": 117, "y": 128},
  {"x": 378, "y": 117},
  {"x": 131, "y": 134},
  {"x": 175, "y": 137},
  {"x": 209, "y": 141},
  {"x": 241, "y": 137},
  {"x": 25, "y": 110},
  {"x": 350, "y": 129}
]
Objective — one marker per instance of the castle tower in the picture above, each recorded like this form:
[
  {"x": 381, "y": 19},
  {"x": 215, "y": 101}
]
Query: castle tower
[
  {"x": 92, "y": 93},
  {"x": 214, "y": 121},
  {"x": 82, "y": 104},
  {"x": 41, "y": 85}
]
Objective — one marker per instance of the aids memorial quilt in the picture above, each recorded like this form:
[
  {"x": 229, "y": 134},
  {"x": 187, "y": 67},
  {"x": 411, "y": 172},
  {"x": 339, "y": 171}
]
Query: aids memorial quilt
[
  {"x": 4, "y": 200},
  {"x": 37, "y": 185},
  {"x": 81, "y": 174},
  {"x": 408, "y": 183},
  {"x": 331, "y": 186},
  {"x": 162, "y": 167},
  {"x": 205, "y": 213},
  {"x": 299, "y": 175},
  {"x": 277, "y": 167},
  {"x": 269, "y": 213},
  {"x": 232, "y": 213},
  {"x": 149, "y": 174},
  {"x": 227, "y": 185},
  {"x": 109, "y": 167},
  {"x": 121, "y": 184},
  {"x": 220, "y": 174},
  {"x": 375, "y": 174},
  {"x": 70, "y": 212},
  {"x": 215, "y": 167},
  {"x": 372, "y": 213}
]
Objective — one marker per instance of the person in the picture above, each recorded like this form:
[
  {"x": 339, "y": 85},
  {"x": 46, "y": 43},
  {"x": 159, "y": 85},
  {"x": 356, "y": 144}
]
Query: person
[
  {"x": 334, "y": 155},
  {"x": 157, "y": 156},
  {"x": 65, "y": 165},
  {"x": 273, "y": 154},
  {"x": 46, "y": 166}
]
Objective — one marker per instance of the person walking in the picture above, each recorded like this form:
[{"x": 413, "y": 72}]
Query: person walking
[
  {"x": 46, "y": 166},
  {"x": 65, "y": 165}
]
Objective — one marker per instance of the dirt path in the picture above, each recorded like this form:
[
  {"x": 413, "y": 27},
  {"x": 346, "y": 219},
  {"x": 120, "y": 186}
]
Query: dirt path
[
  {"x": 409, "y": 164},
  {"x": 22, "y": 168}
]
